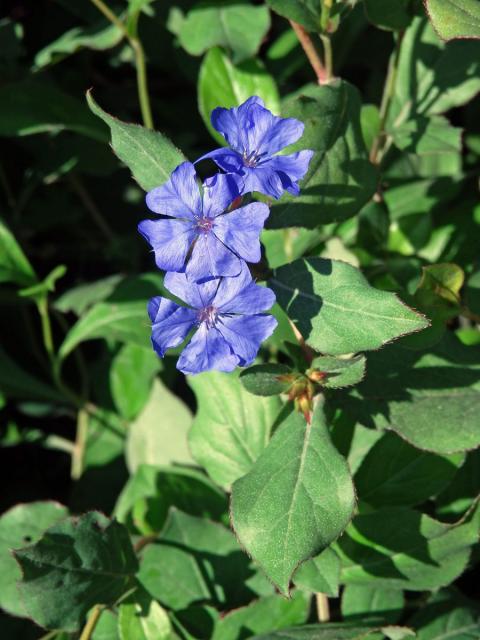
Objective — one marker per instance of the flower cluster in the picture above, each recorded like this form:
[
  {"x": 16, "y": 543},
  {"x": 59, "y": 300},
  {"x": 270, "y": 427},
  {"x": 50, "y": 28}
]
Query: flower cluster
[{"x": 205, "y": 238}]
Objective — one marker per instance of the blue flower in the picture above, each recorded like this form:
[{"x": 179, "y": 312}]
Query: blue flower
[
  {"x": 221, "y": 241},
  {"x": 226, "y": 313},
  {"x": 255, "y": 135}
]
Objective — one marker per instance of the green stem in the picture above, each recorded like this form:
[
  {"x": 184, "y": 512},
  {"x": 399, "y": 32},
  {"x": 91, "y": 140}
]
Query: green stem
[
  {"x": 327, "y": 55},
  {"x": 89, "y": 628},
  {"x": 80, "y": 442},
  {"x": 310, "y": 52},
  {"x": 323, "y": 608},
  {"x": 376, "y": 152},
  {"x": 136, "y": 45},
  {"x": 42, "y": 306},
  {"x": 50, "y": 635}
]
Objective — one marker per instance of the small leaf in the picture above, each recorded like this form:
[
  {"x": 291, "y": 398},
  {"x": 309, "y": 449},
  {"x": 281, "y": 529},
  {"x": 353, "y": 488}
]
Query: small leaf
[
  {"x": 337, "y": 631},
  {"x": 340, "y": 178},
  {"x": 337, "y": 311},
  {"x": 142, "y": 618},
  {"x": 320, "y": 574},
  {"x": 267, "y": 379},
  {"x": 377, "y": 606},
  {"x": 83, "y": 296},
  {"x": 388, "y": 14},
  {"x": 77, "y": 564},
  {"x": 231, "y": 428},
  {"x": 340, "y": 372},
  {"x": 236, "y": 26},
  {"x": 441, "y": 281},
  {"x": 222, "y": 84},
  {"x": 447, "y": 613},
  {"x": 20, "y": 525},
  {"x": 41, "y": 289},
  {"x": 454, "y": 18},
  {"x": 149, "y": 155},
  {"x": 305, "y": 12},
  {"x": 305, "y": 502},
  {"x": 14, "y": 265},
  {"x": 159, "y": 434}
]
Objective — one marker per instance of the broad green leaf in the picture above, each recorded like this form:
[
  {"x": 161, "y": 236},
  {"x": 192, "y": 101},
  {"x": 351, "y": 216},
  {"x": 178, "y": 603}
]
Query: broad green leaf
[
  {"x": 340, "y": 178},
  {"x": 454, "y": 18},
  {"x": 231, "y": 428},
  {"x": 159, "y": 434},
  {"x": 14, "y": 265},
  {"x": 305, "y": 12},
  {"x": 265, "y": 614},
  {"x": 106, "y": 629},
  {"x": 339, "y": 372},
  {"x": 267, "y": 379},
  {"x": 21, "y": 525},
  {"x": 457, "y": 498},
  {"x": 122, "y": 316},
  {"x": 398, "y": 548},
  {"x": 338, "y": 631},
  {"x": 447, "y": 614},
  {"x": 131, "y": 377},
  {"x": 15, "y": 382},
  {"x": 142, "y": 618},
  {"x": 99, "y": 37},
  {"x": 395, "y": 473},
  {"x": 195, "y": 560},
  {"x": 237, "y": 26},
  {"x": 149, "y": 155},
  {"x": 284, "y": 245},
  {"x": 77, "y": 564},
  {"x": 297, "y": 498},
  {"x": 472, "y": 292},
  {"x": 151, "y": 491},
  {"x": 336, "y": 310},
  {"x": 33, "y": 106},
  {"x": 438, "y": 389},
  {"x": 320, "y": 574},
  {"x": 388, "y": 14},
  {"x": 222, "y": 84},
  {"x": 377, "y": 606},
  {"x": 432, "y": 76},
  {"x": 83, "y": 296},
  {"x": 370, "y": 123}
]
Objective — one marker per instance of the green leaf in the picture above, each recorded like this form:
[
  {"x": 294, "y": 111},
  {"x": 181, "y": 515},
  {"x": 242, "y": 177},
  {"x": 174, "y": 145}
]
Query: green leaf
[
  {"x": 41, "y": 289},
  {"x": 320, "y": 574},
  {"x": 447, "y": 614},
  {"x": 158, "y": 435},
  {"x": 15, "y": 382},
  {"x": 146, "y": 498},
  {"x": 376, "y": 606},
  {"x": 99, "y": 37},
  {"x": 420, "y": 395},
  {"x": 440, "y": 281},
  {"x": 131, "y": 377},
  {"x": 14, "y": 265},
  {"x": 142, "y": 618},
  {"x": 410, "y": 477},
  {"x": 20, "y": 525},
  {"x": 462, "y": 491},
  {"x": 149, "y": 155},
  {"x": 454, "y": 18},
  {"x": 238, "y": 26},
  {"x": 195, "y": 560},
  {"x": 285, "y": 245},
  {"x": 388, "y": 14},
  {"x": 433, "y": 77},
  {"x": 472, "y": 292},
  {"x": 267, "y": 379},
  {"x": 370, "y": 123},
  {"x": 33, "y": 106},
  {"x": 123, "y": 316},
  {"x": 265, "y": 614},
  {"x": 77, "y": 564},
  {"x": 403, "y": 549},
  {"x": 336, "y": 310},
  {"x": 231, "y": 428},
  {"x": 297, "y": 498},
  {"x": 106, "y": 628},
  {"x": 83, "y": 296},
  {"x": 221, "y": 84},
  {"x": 305, "y": 12},
  {"x": 340, "y": 372},
  {"x": 337, "y": 631},
  {"x": 340, "y": 179}
]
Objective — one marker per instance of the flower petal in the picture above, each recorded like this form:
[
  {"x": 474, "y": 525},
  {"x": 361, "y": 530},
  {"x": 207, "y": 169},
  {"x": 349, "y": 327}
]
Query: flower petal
[
  {"x": 180, "y": 196},
  {"x": 242, "y": 295},
  {"x": 245, "y": 334},
  {"x": 263, "y": 179},
  {"x": 295, "y": 165},
  {"x": 219, "y": 192},
  {"x": 170, "y": 240},
  {"x": 240, "y": 230},
  {"x": 170, "y": 325},
  {"x": 226, "y": 159},
  {"x": 197, "y": 295},
  {"x": 207, "y": 350},
  {"x": 211, "y": 258},
  {"x": 281, "y": 133},
  {"x": 230, "y": 122}
]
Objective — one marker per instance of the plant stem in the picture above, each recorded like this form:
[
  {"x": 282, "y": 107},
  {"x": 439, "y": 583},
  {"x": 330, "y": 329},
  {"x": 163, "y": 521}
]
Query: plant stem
[
  {"x": 308, "y": 353},
  {"x": 474, "y": 317},
  {"x": 79, "y": 447},
  {"x": 77, "y": 185},
  {"x": 137, "y": 48},
  {"x": 143, "y": 542},
  {"x": 388, "y": 93},
  {"x": 323, "y": 608},
  {"x": 42, "y": 306},
  {"x": 328, "y": 55},
  {"x": 50, "y": 635},
  {"x": 89, "y": 628},
  {"x": 311, "y": 53}
]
